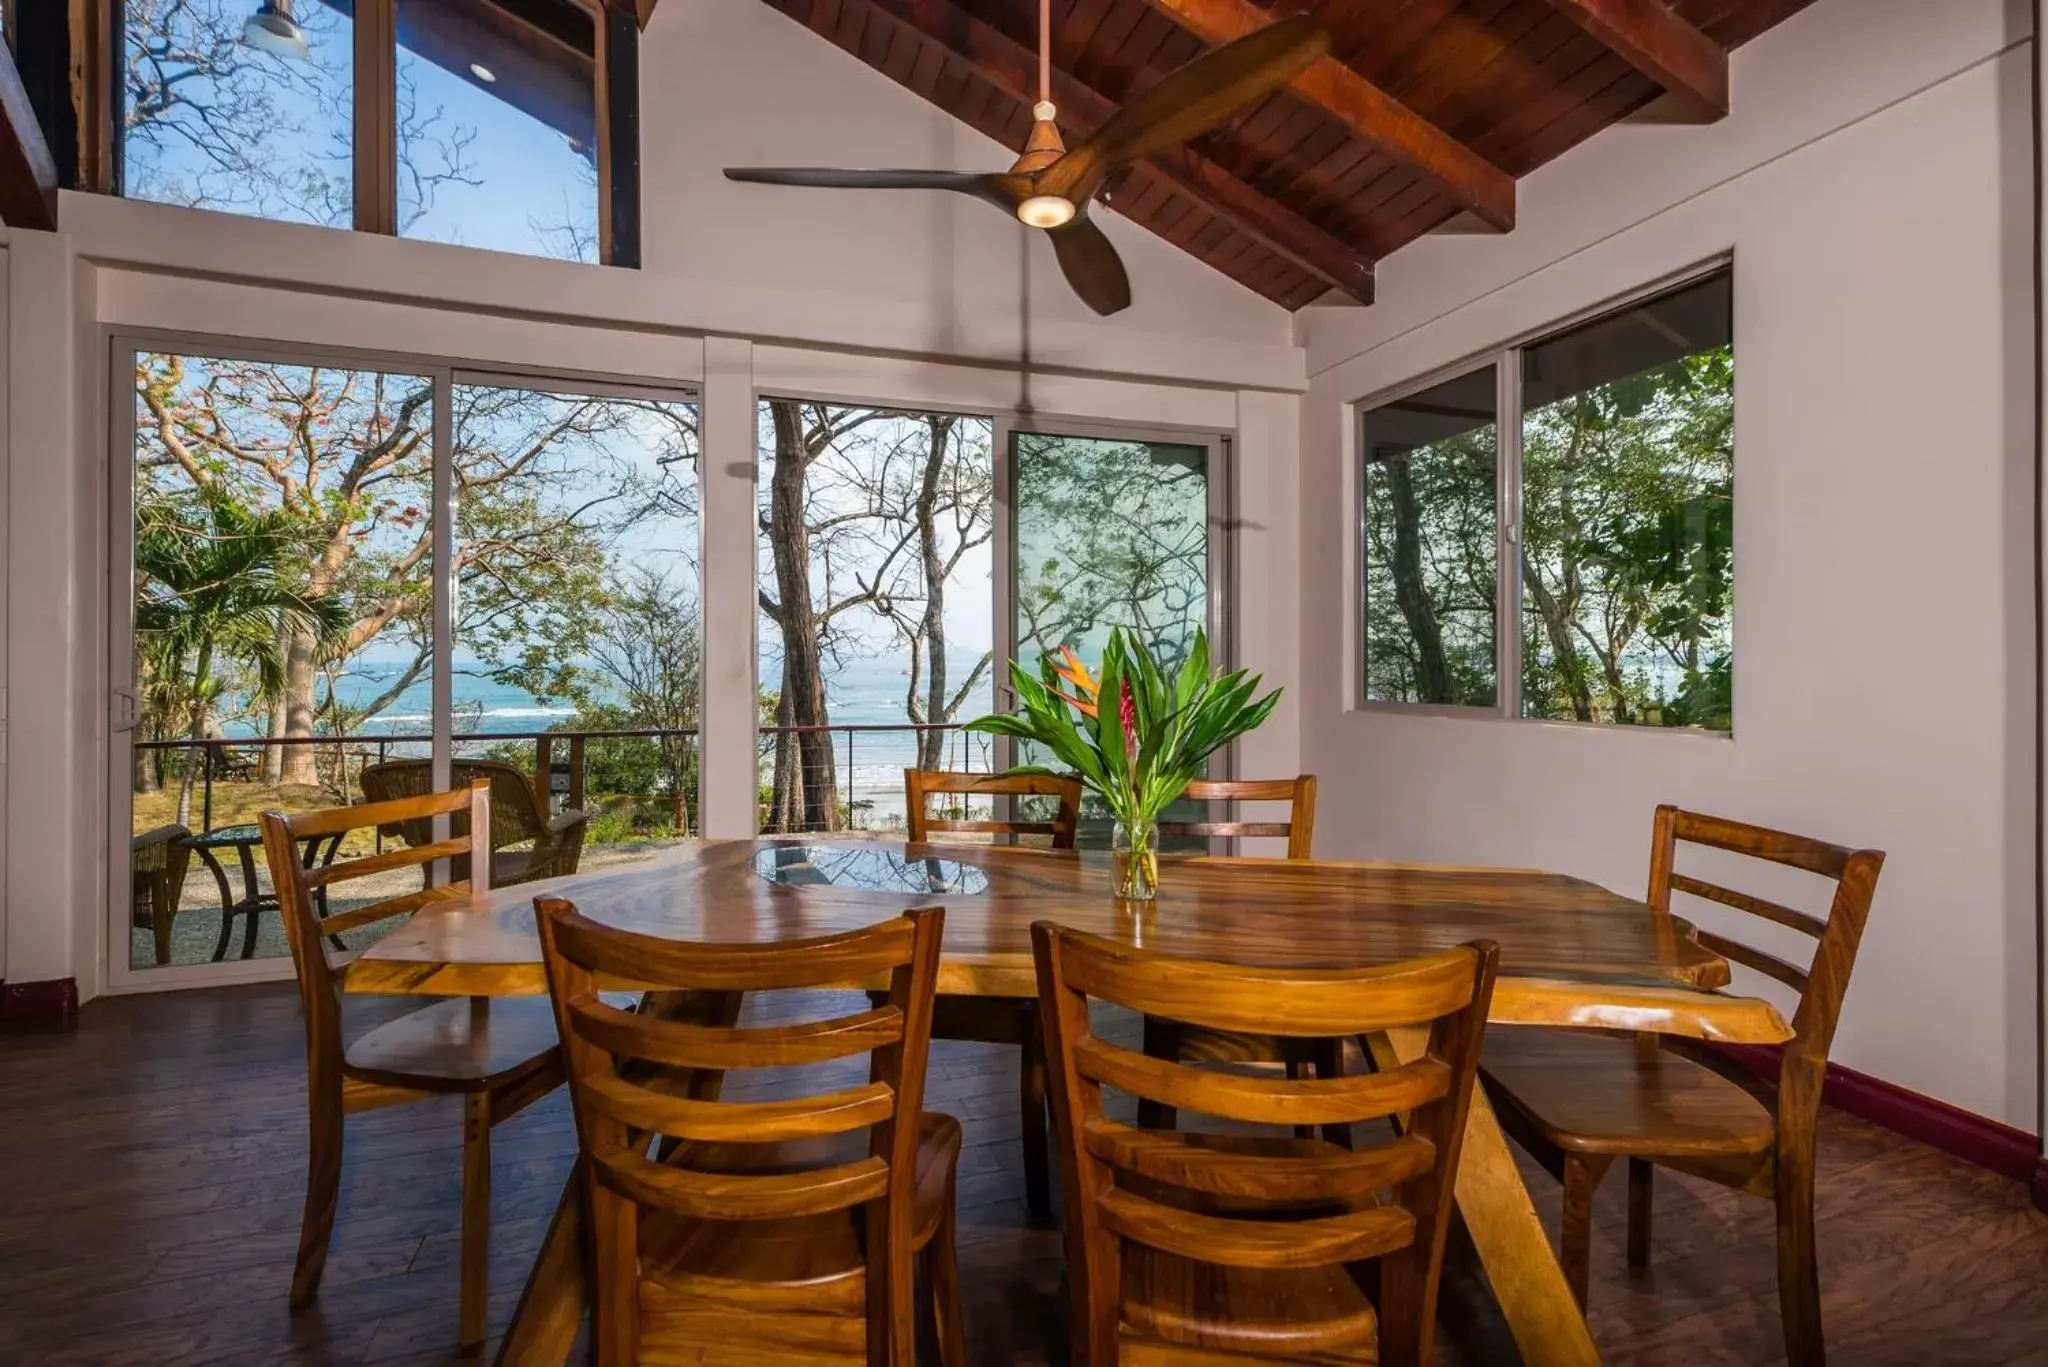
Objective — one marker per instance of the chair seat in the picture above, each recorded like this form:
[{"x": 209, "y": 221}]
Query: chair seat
[
  {"x": 458, "y": 1045},
  {"x": 1594, "y": 1094},
  {"x": 809, "y": 1263}
]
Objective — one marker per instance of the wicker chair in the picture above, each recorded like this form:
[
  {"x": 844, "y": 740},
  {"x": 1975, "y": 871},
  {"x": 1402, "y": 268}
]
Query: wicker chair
[
  {"x": 517, "y": 816},
  {"x": 156, "y": 862}
]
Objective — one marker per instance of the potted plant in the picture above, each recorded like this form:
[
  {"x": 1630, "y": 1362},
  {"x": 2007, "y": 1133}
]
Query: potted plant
[{"x": 1140, "y": 749}]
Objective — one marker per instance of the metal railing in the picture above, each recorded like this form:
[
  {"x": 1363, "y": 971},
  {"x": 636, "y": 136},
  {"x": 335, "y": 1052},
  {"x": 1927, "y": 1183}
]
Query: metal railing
[{"x": 854, "y": 799}]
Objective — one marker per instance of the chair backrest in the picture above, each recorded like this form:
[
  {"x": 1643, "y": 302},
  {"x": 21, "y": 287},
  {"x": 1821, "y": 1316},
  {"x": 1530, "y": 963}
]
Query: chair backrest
[
  {"x": 297, "y": 886},
  {"x": 1825, "y": 980},
  {"x": 1299, "y": 793},
  {"x": 515, "y": 813},
  {"x": 633, "y": 1076},
  {"x": 1112, "y": 1167},
  {"x": 920, "y": 783}
]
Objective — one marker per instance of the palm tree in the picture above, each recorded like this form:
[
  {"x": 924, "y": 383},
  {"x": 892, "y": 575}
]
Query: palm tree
[{"x": 215, "y": 580}]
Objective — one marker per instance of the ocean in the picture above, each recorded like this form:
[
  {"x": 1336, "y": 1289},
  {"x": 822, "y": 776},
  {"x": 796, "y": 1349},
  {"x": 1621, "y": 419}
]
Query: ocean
[{"x": 864, "y": 691}]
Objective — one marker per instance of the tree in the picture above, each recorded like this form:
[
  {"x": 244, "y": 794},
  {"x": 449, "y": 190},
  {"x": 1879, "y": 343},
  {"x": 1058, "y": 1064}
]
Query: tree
[
  {"x": 211, "y": 582},
  {"x": 1109, "y": 534},
  {"x": 208, "y": 120},
  {"x": 942, "y": 494},
  {"x": 1627, "y": 547},
  {"x": 540, "y": 496},
  {"x": 805, "y": 615},
  {"x": 648, "y": 647}
]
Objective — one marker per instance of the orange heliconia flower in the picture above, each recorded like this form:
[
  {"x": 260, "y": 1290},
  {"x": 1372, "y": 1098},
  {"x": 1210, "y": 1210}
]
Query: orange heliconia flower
[{"x": 1086, "y": 690}]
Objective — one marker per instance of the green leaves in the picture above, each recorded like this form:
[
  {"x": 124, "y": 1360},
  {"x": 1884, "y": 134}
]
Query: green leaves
[{"x": 1180, "y": 722}]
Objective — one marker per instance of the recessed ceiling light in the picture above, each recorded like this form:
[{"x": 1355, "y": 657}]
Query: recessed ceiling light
[{"x": 483, "y": 73}]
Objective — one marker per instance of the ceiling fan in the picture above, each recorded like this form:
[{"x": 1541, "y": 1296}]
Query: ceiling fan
[{"x": 1049, "y": 186}]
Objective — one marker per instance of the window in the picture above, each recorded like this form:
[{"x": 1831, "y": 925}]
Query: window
[
  {"x": 1619, "y": 592},
  {"x": 299, "y": 612},
  {"x": 467, "y": 121},
  {"x": 1430, "y": 532},
  {"x": 874, "y": 579}
]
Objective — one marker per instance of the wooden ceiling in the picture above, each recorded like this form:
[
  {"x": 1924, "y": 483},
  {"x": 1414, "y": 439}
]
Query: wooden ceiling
[{"x": 1422, "y": 118}]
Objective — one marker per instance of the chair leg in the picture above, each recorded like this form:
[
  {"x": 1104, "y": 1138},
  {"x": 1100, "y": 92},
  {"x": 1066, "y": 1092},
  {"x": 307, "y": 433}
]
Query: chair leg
[
  {"x": 942, "y": 1274},
  {"x": 1575, "y": 1253},
  {"x": 1642, "y": 1178},
  {"x": 323, "y": 1191},
  {"x": 1798, "y": 1266},
  {"x": 1031, "y": 1104},
  {"x": 476, "y": 1218}
]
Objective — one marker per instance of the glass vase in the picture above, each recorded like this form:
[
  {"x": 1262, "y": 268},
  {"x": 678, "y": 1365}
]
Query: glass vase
[{"x": 1134, "y": 860}]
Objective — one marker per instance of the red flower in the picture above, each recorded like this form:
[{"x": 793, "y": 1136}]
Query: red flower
[{"x": 1127, "y": 713}]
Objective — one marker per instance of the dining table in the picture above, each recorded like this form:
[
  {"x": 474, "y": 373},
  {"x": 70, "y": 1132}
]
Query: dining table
[{"x": 1572, "y": 954}]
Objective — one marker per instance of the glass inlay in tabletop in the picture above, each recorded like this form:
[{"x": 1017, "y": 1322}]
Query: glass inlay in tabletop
[{"x": 872, "y": 870}]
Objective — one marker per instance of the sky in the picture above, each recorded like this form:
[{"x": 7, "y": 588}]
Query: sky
[{"x": 527, "y": 173}]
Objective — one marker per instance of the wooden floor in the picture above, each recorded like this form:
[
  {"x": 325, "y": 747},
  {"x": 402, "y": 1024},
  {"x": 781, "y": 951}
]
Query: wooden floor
[{"x": 150, "y": 1177}]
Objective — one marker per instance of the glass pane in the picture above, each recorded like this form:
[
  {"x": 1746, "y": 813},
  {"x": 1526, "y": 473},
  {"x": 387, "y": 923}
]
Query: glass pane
[
  {"x": 1111, "y": 532},
  {"x": 876, "y": 620},
  {"x": 227, "y": 104},
  {"x": 578, "y": 651},
  {"x": 497, "y": 126},
  {"x": 1628, "y": 516},
  {"x": 283, "y": 624},
  {"x": 1430, "y": 551}
]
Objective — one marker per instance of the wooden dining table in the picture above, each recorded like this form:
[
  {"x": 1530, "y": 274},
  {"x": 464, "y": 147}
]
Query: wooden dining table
[{"x": 1571, "y": 954}]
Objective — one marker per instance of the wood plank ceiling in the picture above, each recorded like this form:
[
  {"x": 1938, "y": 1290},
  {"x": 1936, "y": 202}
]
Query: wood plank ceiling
[{"x": 1422, "y": 119}]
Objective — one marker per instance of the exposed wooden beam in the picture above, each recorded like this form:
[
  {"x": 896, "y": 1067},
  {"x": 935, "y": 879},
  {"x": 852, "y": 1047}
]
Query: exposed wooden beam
[
  {"x": 1370, "y": 113},
  {"x": 1013, "y": 69},
  {"x": 28, "y": 173},
  {"x": 1647, "y": 35}
]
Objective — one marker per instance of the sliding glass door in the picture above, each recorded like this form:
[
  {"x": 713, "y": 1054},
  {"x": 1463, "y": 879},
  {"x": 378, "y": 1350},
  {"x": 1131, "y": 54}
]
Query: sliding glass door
[{"x": 337, "y": 577}]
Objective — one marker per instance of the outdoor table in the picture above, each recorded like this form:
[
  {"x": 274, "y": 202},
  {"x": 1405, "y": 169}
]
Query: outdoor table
[
  {"x": 1572, "y": 954},
  {"x": 245, "y": 841}
]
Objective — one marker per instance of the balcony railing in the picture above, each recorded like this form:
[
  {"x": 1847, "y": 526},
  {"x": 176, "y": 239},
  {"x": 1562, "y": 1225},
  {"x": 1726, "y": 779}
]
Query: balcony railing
[{"x": 866, "y": 780}]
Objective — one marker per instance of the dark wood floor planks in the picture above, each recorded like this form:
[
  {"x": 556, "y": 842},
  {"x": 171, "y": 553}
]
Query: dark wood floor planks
[{"x": 151, "y": 1161}]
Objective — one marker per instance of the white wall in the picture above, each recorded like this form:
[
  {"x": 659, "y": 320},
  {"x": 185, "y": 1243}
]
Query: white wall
[
  {"x": 904, "y": 298},
  {"x": 1874, "y": 185}
]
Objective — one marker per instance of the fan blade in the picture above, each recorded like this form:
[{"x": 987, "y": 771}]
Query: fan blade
[
  {"x": 1208, "y": 91},
  {"x": 1091, "y": 266},
  {"x": 1001, "y": 189}
]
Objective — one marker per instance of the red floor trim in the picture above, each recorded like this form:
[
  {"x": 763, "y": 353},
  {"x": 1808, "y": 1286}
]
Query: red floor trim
[
  {"x": 1988, "y": 1143},
  {"x": 31, "y": 1001}
]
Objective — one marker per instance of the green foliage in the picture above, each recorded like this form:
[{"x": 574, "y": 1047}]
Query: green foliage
[{"x": 1141, "y": 763}]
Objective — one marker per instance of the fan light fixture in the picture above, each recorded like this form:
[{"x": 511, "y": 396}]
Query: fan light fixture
[
  {"x": 1046, "y": 211},
  {"x": 272, "y": 29}
]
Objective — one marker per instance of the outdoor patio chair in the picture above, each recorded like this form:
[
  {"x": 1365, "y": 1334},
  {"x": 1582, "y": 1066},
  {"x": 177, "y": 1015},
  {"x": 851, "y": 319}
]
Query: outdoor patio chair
[
  {"x": 518, "y": 815},
  {"x": 156, "y": 863}
]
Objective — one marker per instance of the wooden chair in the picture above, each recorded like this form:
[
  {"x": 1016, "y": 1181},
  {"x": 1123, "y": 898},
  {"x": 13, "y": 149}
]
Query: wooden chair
[
  {"x": 1579, "y": 1101},
  {"x": 1163, "y": 1039},
  {"x": 518, "y": 817},
  {"x": 766, "y": 1231},
  {"x": 157, "y": 860},
  {"x": 999, "y": 1020},
  {"x": 499, "y": 1056},
  {"x": 1298, "y": 793},
  {"x": 1213, "y": 1249}
]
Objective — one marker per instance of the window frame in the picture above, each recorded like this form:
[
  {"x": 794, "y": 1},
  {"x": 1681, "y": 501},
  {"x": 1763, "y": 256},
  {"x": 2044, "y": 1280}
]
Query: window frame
[
  {"x": 97, "y": 30},
  {"x": 1508, "y": 419}
]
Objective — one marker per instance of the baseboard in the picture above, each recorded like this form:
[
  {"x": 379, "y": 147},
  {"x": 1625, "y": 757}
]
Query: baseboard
[
  {"x": 34, "y": 1001},
  {"x": 1988, "y": 1143}
]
